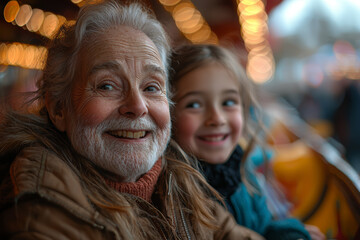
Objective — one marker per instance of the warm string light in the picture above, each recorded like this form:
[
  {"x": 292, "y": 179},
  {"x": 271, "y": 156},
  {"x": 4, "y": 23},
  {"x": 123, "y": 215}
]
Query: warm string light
[
  {"x": 33, "y": 19},
  {"x": 189, "y": 21},
  {"x": 254, "y": 30},
  {"x": 22, "y": 55},
  {"x": 81, "y": 3}
]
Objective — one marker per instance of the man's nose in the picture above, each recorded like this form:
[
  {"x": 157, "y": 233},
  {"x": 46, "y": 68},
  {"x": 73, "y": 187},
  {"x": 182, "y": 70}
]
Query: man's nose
[
  {"x": 134, "y": 105},
  {"x": 215, "y": 117}
]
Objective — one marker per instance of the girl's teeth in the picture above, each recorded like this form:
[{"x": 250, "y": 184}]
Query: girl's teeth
[{"x": 213, "y": 139}]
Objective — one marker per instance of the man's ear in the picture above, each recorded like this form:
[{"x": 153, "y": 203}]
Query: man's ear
[{"x": 56, "y": 113}]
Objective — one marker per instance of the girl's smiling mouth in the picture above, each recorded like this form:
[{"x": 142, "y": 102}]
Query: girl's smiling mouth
[{"x": 214, "y": 138}]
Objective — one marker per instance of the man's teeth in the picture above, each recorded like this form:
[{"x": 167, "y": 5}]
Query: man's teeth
[
  {"x": 129, "y": 134},
  {"x": 213, "y": 139}
]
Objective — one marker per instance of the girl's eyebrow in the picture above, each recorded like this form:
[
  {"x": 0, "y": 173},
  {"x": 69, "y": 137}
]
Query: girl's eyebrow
[
  {"x": 197, "y": 93},
  {"x": 231, "y": 91},
  {"x": 192, "y": 93}
]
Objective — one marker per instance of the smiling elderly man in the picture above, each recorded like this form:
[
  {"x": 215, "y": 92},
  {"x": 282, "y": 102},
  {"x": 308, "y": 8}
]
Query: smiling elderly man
[{"x": 94, "y": 162}]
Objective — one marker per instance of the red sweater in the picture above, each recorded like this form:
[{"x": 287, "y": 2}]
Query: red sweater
[{"x": 144, "y": 187}]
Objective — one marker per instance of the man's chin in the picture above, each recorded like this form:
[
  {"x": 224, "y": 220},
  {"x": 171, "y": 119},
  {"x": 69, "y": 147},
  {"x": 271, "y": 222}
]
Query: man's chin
[
  {"x": 134, "y": 176},
  {"x": 131, "y": 173}
]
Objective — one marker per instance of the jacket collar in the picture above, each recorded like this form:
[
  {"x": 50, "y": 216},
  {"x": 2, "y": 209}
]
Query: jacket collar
[{"x": 37, "y": 170}]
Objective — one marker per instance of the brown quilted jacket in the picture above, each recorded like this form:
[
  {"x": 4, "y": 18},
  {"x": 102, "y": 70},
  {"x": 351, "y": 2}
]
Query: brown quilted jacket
[{"x": 42, "y": 198}]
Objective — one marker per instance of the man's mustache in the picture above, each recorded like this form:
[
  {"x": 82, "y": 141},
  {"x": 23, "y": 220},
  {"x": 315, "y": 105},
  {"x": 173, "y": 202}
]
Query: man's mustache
[{"x": 124, "y": 123}]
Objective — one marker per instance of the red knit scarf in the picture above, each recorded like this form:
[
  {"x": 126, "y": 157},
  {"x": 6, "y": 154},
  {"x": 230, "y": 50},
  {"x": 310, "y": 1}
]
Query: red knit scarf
[{"x": 144, "y": 187}]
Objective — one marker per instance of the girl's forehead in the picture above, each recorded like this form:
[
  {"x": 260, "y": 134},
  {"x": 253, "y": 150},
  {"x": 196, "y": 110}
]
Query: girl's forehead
[
  {"x": 210, "y": 78},
  {"x": 206, "y": 75}
]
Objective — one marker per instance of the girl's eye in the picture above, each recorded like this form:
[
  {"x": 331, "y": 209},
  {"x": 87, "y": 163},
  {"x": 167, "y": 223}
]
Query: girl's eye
[
  {"x": 106, "y": 87},
  {"x": 229, "y": 103},
  {"x": 193, "y": 105}
]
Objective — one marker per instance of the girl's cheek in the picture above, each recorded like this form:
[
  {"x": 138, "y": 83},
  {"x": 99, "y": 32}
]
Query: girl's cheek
[
  {"x": 184, "y": 127},
  {"x": 238, "y": 124}
]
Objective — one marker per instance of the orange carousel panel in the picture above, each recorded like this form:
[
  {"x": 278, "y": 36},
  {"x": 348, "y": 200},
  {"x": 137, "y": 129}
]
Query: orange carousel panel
[{"x": 317, "y": 190}]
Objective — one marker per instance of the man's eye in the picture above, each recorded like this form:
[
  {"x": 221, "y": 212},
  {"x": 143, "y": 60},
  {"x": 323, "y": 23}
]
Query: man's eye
[
  {"x": 151, "y": 89},
  {"x": 106, "y": 87},
  {"x": 193, "y": 105},
  {"x": 229, "y": 103}
]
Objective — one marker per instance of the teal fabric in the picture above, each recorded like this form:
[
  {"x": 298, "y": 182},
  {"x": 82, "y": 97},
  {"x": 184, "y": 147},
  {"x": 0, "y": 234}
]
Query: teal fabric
[
  {"x": 252, "y": 212},
  {"x": 257, "y": 155}
]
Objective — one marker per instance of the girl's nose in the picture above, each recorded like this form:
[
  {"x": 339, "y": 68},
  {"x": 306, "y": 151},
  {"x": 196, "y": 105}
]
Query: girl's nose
[
  {"x": 215, "y": 117},
  {"x": 134, "y": 105}
]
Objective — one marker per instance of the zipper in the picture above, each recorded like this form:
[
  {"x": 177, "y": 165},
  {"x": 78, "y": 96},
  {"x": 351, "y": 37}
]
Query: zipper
[{"x": 185, "y": 225}]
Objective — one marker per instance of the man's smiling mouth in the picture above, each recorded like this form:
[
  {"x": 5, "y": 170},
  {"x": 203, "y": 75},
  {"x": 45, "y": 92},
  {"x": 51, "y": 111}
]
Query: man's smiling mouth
[{"x": 128, "y": 134}]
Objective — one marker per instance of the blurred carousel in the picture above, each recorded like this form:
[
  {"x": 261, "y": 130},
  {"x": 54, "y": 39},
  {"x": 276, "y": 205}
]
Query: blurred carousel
[
  {"x": 309, "y": 176},
  {"x": 322, "y": 188}
]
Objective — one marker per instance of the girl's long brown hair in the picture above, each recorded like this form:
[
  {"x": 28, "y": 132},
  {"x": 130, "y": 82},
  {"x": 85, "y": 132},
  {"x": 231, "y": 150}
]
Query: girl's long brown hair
[{"x": 189, "y": 57}]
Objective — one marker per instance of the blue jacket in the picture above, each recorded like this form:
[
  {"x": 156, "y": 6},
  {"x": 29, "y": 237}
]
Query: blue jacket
[{"x": 249, "y": 210}]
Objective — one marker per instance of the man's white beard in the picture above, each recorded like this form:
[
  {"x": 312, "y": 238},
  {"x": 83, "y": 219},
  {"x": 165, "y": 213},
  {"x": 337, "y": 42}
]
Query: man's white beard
[{"x": 127, "y": 160}]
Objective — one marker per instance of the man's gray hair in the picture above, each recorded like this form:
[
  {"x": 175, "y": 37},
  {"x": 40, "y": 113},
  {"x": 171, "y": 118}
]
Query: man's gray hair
[{"x": 62, "y": 61}]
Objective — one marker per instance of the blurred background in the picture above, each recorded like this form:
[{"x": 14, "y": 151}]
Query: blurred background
[
  {"x": 303, "y": 51},
  {"x": 303, "y": 54}
]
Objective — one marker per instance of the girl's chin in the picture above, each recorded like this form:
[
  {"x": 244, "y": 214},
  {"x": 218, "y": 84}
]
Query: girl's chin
[{"x": 215, "y": 160}]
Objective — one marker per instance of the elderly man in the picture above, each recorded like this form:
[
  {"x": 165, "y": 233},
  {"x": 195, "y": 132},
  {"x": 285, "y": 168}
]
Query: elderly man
[{"x": 91, "y": 162}]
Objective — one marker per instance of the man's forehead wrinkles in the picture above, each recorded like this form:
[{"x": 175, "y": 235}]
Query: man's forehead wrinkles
[
  {"x": 115, "y": 65},
  {"x": 127, "y": 48},
  {"x": 112, "y": 65},
  {"x": 138, "y": 49}
]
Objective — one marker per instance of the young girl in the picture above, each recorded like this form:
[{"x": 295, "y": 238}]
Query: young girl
[{"x": 212, "y": 97}]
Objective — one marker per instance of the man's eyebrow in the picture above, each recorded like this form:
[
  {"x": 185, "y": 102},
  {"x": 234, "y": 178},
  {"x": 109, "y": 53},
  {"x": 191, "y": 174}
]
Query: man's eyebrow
[
  {"x": 112, "y": 65},
  {"x": 154, "y": 68}
]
